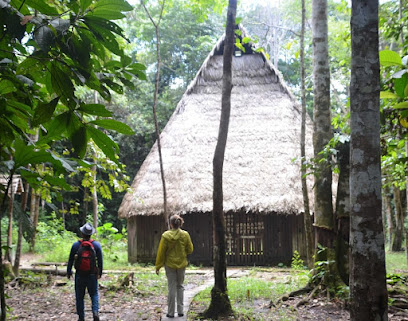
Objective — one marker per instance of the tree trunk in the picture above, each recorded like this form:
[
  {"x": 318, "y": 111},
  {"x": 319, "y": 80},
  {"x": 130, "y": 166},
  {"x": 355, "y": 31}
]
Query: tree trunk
[
  {"x": 2, "y": 293},
  {"x": 368, "y": 292},
  {"x": 307, "y": 218},
  {"x": 396, "y": 245},
  {"x": 343, "y": 212},
  {"x": 155, "y": 99},
  {"x": 24, "y": 199},
  {"x": 324, "y": 222},
  {"x": 34, "y": 214},
  {"x": 94, "y": 195},
  {"x": 7, "y": 255},
  {"x": 389, "y": 214},
  {"x": 220, "y": 303}
]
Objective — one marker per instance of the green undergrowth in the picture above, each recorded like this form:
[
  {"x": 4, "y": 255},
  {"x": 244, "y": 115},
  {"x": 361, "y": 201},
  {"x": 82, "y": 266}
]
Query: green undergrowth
[{"x": 250, "y": 295}]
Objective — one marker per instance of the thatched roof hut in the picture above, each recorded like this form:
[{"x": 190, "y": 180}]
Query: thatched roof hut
[{"x": 259, "y": 174}]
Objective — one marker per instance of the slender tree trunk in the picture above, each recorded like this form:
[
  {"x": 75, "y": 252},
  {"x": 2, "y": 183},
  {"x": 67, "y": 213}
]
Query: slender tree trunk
[
  {"x": 34, "y": 214},
  {"x": 343, "y": 212},
  {"x": 324, "y": 222},
  {"x": 396, "y": 245},
  {"x": 368, "y": 291},
  {"x": 155, "y": 99},
  {"x": 307, "y": 218},
  {"x": 94, "y": 196},
  {"x": 220, "y": 303},
  {"x": 2, "y": 293},
  {"x": 24, "y": 199},
  {"x": 389, "y": 214},
  {"x": 10, "y": 225}
]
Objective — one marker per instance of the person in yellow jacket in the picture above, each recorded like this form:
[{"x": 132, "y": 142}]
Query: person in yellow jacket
[{"x": 175, "y": 245}]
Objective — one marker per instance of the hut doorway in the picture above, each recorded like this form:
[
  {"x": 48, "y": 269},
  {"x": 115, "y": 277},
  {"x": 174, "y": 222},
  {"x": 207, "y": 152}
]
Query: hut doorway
[{"x": 245, "y": 239}]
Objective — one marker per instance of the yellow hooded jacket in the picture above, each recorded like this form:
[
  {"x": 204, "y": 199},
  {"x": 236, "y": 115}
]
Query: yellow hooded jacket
[{"x": 174, "y": 247}]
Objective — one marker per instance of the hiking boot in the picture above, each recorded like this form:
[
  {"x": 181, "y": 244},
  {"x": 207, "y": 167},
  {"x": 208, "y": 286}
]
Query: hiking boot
[{"x": 96, "y": 316}]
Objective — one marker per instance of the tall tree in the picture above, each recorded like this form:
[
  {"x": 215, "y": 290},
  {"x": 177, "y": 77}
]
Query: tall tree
[
  {"x": 322, "y": 132},
  {"x": 307, "y": 218},
  {"x": 220, "y": 304},
  {"x": 155, "y": 101},
  {"x": 368, "y": 292}
]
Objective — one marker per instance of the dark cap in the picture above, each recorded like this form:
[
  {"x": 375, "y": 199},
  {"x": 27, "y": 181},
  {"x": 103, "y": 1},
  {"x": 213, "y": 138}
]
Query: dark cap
[{"x": 87, "y": 229}]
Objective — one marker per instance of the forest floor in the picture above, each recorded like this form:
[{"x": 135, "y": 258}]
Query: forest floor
[{"x": 40, "y": 297}]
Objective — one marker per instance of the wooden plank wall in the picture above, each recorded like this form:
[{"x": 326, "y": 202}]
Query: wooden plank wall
[
  {"x": 199, "y": 226},
  {"x": 252, "y": 239},
  {"x": 149, "y": 231}
]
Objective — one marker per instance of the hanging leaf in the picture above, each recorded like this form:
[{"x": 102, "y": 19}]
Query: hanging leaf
[
  {"x": 400, "y": 85},
  {"x": 114, "y": 125},
  {"x": 390, "y": 58},
  {"x": 107, "y": 145},
  {"x": 79, "y": 141},
  {"x": 6, "y": 87},
  {"x": 44, "y": 112},
  {"x": 42, "y": 7},
  {"x": 61, "y": 83},
  {"x": 95, "y": 109},
  {"x": 387, "y": 94},
  {"x": 111, "y": 9},
  {"x": 44, "y": 38},
  {"x": 403, "y": 105},
  {"x": 85, "y": 4}
]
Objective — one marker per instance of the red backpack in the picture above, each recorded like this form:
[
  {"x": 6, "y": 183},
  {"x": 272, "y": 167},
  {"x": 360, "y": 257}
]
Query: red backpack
[{"x": 85, "y": 262}]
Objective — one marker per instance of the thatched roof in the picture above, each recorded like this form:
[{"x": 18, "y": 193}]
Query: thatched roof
[
  {"x": 264, "y": 137},
  {"x": 16, "y": 186}
]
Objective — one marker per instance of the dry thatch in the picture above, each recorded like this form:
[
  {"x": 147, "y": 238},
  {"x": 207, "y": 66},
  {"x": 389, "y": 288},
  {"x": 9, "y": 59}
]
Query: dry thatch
[
  {"x": 16, "y": 186},
  {"x": 264, "y": 137}
]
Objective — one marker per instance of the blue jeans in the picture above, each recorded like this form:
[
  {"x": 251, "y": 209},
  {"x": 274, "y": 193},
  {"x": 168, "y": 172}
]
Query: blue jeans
[{"x": 83, "y": 282}]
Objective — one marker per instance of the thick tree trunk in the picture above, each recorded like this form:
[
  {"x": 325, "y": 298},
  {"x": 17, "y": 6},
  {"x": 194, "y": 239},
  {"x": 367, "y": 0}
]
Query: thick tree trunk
[
  {"x": 220, "y": 304},
  {"x": 398, "y": 235},
  {"x": 368, "y": 292},
  {"x": 322, "y": 133},
  {"x": 307, "y": 218},
  {"x": 343, "y": 212}
]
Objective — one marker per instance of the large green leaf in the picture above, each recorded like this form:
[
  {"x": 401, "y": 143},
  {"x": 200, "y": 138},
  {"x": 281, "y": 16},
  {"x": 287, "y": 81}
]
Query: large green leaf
[
  {"x": 390, "y": 58},
  {"x": 85, "y": 4},
  {"x": 104, "y": 36},
  {"x": 61, "y": 82},
  {"x": 107, "y": 145},
  {"x": 44, "y": 112},
  {"x": 95, "y": 109},
  {"x": 28, "y": 155},
  {"x": 6, "y": 87},
  {"x": 111, "y": 9},
  {"x": 403, "y": 105},
  {"x": 114, "y": 125},
  {"x": 400, "y": 85},
  {"x": 387, "y": 95},
  {"x": 44, "y": 37},
  {"x": 79, "y": 141},
  {"x": 42, "y": 7}
]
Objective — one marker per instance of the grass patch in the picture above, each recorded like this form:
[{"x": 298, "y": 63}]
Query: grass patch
[
  {"x": 250, "y": 295},
  {"x": 395, "y": 261}
]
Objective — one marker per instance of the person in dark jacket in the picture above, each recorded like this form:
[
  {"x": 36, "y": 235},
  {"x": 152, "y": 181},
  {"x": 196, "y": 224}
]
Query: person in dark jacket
[{"x": 86, "y": 280}]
